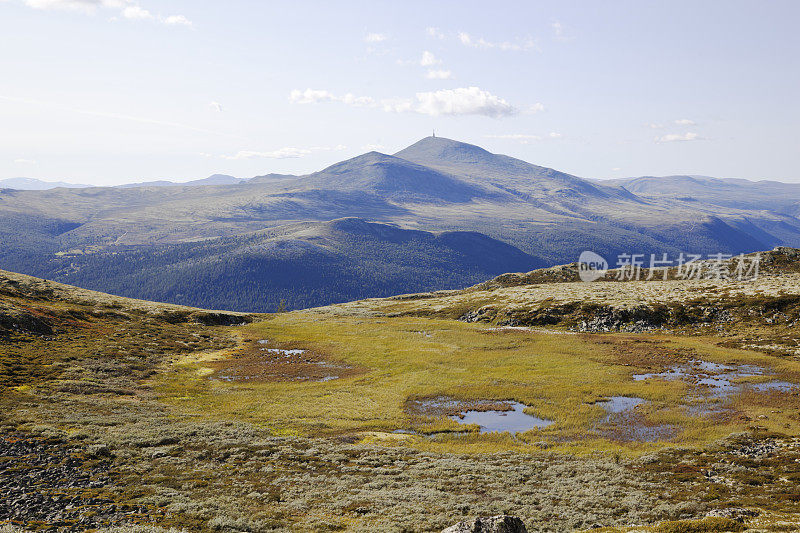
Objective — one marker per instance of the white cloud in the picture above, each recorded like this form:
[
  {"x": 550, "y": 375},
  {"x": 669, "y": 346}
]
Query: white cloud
[
  {"x": 461, "y": 101},
  {"x": 522, "y": 137},
  {"x": 428, "y": 59},
  {"x": 288, "y": 152},
  {"x": 217, "y": 106},
  {"x": 314, "y": 96},
  {"x": 678, "y": 137},
  {"x": 310, "y": 96},
  {"x": 525, "y": 138},
  {"x": 281, "y": 153},
  {"x": 127, "y": 9},
  {"x": 24, "y": 161},
  {"x": 373, "y": 147},
  {"x": 439, "y": 75},
  {"x": 520, "y": 46},
  {"x": 375, "y": 37},
  {"x": 536, "y": 108},
  {"x": 135, "y": 12},
  {"x": 685, "y": 122},
  {"x": 654, "y": 126},
  {"x": 176, "y": 20},
  {"x": 357, "y": 101},
  {"x": 436, "y": 33},
  {"x": 87, "y": 6},
  {"x": 559, "y": 31}
]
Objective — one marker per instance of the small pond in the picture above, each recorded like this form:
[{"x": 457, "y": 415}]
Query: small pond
[{"x": 514, "y": 420}]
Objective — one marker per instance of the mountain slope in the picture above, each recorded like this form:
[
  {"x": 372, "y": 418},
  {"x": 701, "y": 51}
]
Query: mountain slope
[
  {"x": 306, "y": 264},
  {"x": 394, "y": 178},
  {"x": 485, "y": 167}
]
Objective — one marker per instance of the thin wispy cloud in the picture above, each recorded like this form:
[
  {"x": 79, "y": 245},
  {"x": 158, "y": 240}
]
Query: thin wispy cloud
[
  {"x": 23, "y": 161},
  {"x": 315, "y": 96},
  {"x": 121, "y": 9},
  {"x": 375, "y": 37},
  {"x": 559, "y": 31},
  {"x": 176, "y": 20},
  {"x": 373, "y": 147},
  {"x": 678, "y": 122},
  {"x": 118, "y": 116},
  {"x": 439, "y": 74},
  {"x": 216, "y": 106},
  {"x": 428, "y": 59},
  {"x": 136, "y": 13},
  {"x": 445, "y": 102},
  {"x": 288, "y": 152},
  {"x": 526, "y": 138},
  {"x": 522, "y": 45},
  {"x": 678, "y": 137},
  {"x": 435, "y": 33}
]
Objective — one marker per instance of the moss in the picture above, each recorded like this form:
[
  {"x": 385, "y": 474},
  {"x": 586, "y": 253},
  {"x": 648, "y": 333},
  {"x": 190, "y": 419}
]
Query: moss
[{"x": 700, "y": 526}]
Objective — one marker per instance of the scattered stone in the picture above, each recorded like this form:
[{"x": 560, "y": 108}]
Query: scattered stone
[
  {"x": 491, "y": 524},
  {"x": 734, "y": 513}
]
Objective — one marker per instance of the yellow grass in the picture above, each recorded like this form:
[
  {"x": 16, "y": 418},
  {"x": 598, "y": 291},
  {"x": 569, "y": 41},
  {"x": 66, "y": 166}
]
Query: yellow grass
[{"x": 558, "y": 376}]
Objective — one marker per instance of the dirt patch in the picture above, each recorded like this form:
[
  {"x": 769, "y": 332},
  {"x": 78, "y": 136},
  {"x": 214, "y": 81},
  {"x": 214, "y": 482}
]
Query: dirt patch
[
  {"x": 445, "y": 406},
  {"x": 262, "y": 361},
  {"x": 653, "y": 355}
]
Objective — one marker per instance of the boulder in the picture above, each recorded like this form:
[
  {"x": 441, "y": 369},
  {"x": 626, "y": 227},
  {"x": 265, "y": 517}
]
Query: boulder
[{"x": 490, "y": 524}]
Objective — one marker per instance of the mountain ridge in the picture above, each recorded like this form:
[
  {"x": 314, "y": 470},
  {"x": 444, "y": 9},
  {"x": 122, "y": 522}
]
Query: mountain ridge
[{"x": 208, "y": 232}]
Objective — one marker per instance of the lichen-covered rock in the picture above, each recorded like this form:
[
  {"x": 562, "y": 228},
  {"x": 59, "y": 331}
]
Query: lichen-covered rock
[{"x": 491, "y": 524}]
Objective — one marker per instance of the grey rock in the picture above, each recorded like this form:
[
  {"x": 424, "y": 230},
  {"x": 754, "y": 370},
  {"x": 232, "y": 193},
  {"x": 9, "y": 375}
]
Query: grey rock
[
  {"x": 734, "y": 513},
  {"x": 491, "y": 524}
]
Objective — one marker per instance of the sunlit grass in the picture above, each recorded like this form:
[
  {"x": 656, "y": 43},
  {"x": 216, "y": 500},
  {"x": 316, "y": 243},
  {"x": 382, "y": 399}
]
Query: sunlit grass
[{"x": 560, "y": 377}]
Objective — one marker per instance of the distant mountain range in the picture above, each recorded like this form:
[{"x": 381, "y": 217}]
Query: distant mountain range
[
  {"x": 32, "y": 184},
  {"x": 728, "y": 192},
  {"x": 439, "y": 213}
]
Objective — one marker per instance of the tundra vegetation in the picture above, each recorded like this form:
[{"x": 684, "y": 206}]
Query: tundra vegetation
[{"x": 673, "y": 407}]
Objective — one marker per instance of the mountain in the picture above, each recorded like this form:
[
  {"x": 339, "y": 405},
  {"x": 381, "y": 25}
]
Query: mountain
[
  {"x": 729, "y": 192},
  {"x": 394, "y": 178},
  {"x": 33, "y": 184},
  {"x": 214, "y": 179},
  {"x": 306, "y": 264},
  {"x": 207, "y": 234},
  {"x": 477, "y": 164}
]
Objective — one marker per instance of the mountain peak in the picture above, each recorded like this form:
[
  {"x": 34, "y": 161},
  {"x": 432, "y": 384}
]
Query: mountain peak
[{"x": 442, "y": 148}]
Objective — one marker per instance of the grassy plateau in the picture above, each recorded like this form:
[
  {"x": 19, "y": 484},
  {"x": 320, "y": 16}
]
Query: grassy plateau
[{"x": 664, "y": 406}]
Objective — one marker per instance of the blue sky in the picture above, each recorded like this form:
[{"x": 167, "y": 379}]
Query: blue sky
[{"x": 114, "y": 91}]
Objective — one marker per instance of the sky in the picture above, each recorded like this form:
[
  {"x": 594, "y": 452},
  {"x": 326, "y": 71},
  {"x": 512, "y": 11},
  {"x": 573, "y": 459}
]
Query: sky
[{"x": 115, "y": 91}]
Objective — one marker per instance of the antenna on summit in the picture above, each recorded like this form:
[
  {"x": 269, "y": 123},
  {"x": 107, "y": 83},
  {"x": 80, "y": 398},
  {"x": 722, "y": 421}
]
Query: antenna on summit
[{"x": 434, "y": 133}]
